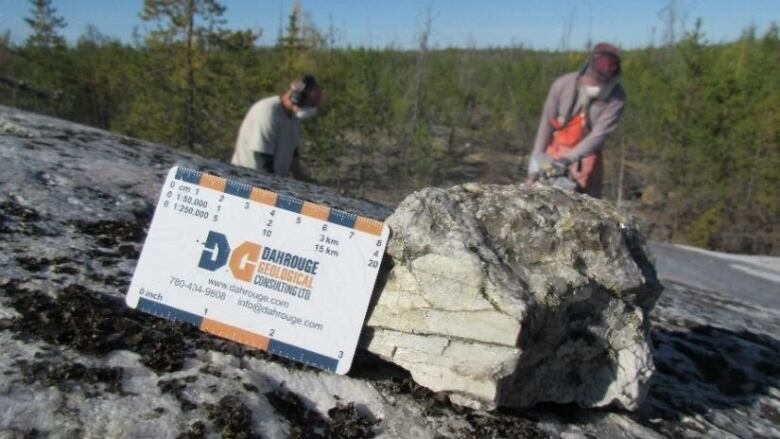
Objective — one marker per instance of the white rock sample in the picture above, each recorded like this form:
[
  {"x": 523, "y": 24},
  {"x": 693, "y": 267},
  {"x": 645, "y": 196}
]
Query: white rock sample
[{"x": 511, "y": 296}]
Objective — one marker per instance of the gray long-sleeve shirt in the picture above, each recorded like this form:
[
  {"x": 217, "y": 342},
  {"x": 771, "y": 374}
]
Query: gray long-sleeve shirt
[{"x": 603, "y": 116}]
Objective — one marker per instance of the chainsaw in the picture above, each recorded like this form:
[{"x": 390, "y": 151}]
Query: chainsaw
[{"x": 551, "y": 173}]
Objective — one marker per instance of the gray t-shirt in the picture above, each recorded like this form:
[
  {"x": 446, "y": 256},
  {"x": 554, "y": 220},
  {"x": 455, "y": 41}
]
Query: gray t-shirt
[{"x": 268, "y": 129}]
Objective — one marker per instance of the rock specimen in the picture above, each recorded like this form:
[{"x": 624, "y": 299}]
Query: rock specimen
[{"x": 509, "y": 296}]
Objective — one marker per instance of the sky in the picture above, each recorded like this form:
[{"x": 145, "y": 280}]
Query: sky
[{"x": 550, "y": 24}]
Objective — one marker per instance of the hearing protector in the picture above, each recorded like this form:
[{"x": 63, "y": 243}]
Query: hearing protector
[
  {"x": 301, "y": 89},
  {"x": 591, "y": 57}
]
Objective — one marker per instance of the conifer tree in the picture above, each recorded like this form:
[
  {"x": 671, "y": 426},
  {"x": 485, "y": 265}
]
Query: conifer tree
[
  {"x": 300, "y": 40},
  {"x": 186, "y": 24},
  {"x": 45, "y": 23}
]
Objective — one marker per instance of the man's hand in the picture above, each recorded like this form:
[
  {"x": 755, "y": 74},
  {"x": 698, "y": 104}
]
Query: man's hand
[{"x": 533, "y": 170}]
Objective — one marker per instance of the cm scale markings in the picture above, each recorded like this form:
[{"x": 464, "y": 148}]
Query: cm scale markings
[{"x": 267, "y": 270}]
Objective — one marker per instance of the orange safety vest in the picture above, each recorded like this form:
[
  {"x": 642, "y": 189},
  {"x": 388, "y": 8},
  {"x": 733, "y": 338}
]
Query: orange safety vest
[{"x": 588, "y": 172}]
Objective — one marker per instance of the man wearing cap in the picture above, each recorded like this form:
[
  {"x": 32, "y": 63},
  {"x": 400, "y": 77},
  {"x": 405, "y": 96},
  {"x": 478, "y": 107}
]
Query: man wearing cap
[
  {"x": 582, "y": 108},
  {"x": 269, "y": 135}
]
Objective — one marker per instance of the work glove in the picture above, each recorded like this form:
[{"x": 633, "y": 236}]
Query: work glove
[{"x": 533, "y": 166}]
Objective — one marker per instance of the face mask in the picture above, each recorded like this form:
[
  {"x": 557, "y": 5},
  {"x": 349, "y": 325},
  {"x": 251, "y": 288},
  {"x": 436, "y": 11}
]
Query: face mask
[
  {"x": 592, "y": 91},
  {"x": 306, "y": 113}
]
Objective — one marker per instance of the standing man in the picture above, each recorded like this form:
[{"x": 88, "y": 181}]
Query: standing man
[
  {"x": 270, "y": 133},
  {"x": 582, "y": 108}
]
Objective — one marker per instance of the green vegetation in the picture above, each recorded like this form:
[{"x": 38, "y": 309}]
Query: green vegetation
[{"x": 697, "y": 154}]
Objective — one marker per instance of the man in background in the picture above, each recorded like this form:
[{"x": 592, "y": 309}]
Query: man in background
[
  {"x": 582, "y": 108},
  {"x": 270, "y": 133}
]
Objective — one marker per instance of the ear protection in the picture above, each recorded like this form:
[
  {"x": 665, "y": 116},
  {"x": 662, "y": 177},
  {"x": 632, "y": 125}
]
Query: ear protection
[
  {"x": 301, "y": 89},
  {"x": 592, "y": 58}
]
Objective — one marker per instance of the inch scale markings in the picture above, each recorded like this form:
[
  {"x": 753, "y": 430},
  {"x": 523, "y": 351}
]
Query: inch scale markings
[{"x": 271, "y": 271}]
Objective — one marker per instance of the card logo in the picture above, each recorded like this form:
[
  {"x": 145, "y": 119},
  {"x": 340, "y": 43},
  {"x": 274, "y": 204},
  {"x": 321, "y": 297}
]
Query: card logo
[{"x": 260, "y": 265}]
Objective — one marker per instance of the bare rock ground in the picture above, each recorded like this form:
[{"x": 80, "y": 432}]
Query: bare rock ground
[{"x": 75, "y": 203}]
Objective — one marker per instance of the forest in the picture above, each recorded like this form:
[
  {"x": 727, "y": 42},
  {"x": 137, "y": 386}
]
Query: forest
[{"x": 696, "y": 156}]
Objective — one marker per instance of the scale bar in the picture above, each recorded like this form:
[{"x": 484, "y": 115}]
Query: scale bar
[
  {"x": 295, "y": 205},
  {"x": 302, "y": 355},
  {"x": 239, "y": 335},
  {"x": 168, "y": 312}
]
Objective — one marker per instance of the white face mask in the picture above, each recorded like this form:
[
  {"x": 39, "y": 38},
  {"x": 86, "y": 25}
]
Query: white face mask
[
  {"x": 306, "y": 113},
  {"x": 592, "y": 91}
]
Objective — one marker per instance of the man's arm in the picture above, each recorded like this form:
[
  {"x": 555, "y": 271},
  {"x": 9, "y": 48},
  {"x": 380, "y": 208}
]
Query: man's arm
[
  {"x": 267, "y": 138},
  {"x": 550, "y": 110},
  {"x": 297, "y": 170},
  {"x": 545, "y": 130}
]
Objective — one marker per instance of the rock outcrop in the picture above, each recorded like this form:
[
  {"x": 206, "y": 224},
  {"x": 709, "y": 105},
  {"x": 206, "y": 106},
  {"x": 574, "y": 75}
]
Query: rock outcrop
[
  {"x": 75, "y": 203},
  {"x": 510, "y": 296}
]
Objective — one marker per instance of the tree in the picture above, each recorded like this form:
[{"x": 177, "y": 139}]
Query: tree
[
  {"x": 300, "y": 38},
  {"x": 44, "y": 24},
  {"x": 179, "y": 21},
  {"x": 183, "y": 20},
  {"x": 103, "y": 78}
]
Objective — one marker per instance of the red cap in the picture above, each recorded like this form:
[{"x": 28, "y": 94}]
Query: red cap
[{"x": 604, "y": 62}]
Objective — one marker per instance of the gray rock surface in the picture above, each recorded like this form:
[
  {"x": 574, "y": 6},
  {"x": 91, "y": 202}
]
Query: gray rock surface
[
  {"x": 75, "y": 362},
  {"x": 752, "y": 278},
  {"x": 512, "y": 296}
]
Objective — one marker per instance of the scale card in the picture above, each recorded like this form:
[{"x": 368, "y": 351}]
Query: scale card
[{"x": 267, "y": 270}]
